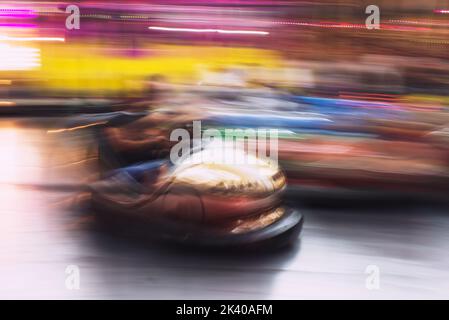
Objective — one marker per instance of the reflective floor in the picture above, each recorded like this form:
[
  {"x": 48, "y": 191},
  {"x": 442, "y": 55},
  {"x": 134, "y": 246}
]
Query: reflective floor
[{"x": 40, "y": 236}]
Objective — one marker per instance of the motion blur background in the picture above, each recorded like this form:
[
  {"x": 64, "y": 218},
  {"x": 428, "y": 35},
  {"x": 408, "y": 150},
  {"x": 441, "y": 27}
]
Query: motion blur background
[{"x": 363, "y": 119}]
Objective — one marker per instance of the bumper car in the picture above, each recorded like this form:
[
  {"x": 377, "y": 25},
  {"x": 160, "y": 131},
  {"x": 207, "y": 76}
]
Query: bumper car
[
  {"x": 364, "y": 167},
  {"x": 205, "y": 203},
  {"x": 339, "y": 148}
]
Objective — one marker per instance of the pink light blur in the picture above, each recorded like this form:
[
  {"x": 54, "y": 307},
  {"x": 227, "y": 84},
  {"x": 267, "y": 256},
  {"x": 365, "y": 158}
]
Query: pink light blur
[
  {"x": 18, "y": 25},
  {"x": 17, "y": 13},
  {"x": 249, "y": 32},
  {"x": 26, "y": 39}
]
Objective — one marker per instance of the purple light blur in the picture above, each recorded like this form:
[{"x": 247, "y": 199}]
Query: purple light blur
[
  {"x": 17, "y": 13},
  {"x": 17, "y": 25}
]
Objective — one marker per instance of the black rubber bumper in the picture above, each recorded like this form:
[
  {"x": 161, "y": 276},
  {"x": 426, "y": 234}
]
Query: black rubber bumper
[{"x": 281, "y": 233}]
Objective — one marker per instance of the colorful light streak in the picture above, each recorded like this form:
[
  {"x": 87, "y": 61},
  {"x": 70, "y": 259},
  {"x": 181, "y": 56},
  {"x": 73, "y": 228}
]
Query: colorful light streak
[
  {"x": 7, "y": 104},
  {"x": 17, "y": 25},
  {"x": 14, "y": 58},
  {"x": 220, "y": 31},
  {"x": 347, "y": 25},
  {"x": 26, "y": 39},
  {"x": 17, "y": 13},
  {"x": 77, "y": 128}
]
